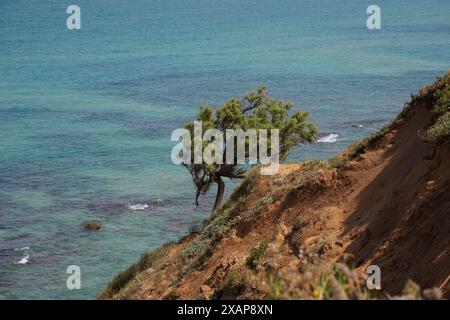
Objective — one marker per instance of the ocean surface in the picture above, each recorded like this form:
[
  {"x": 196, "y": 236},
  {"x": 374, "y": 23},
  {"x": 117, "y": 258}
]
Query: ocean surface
[{"x": 86, "y": 115}]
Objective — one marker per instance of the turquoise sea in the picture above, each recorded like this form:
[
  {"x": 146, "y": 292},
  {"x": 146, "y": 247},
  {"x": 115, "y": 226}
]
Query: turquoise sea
[{"x": 86, "y": 115}]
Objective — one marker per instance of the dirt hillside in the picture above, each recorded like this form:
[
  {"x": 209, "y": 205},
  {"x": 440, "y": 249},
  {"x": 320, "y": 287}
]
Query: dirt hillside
[{"x": 385, "y": 202}]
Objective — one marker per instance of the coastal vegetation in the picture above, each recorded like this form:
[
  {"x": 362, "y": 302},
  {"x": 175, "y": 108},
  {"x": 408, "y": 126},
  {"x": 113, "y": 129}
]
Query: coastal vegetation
[
  {"x": 255, "y": 111},
  {"x": 144, "y": 264}
]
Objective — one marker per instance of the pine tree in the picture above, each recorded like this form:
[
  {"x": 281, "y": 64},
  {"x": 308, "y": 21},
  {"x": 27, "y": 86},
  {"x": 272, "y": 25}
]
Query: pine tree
[{"x": 256, "y": 111}]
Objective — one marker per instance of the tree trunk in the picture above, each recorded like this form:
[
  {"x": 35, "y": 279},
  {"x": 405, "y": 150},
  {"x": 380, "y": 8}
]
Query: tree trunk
[{"x": 220, "y": 192}]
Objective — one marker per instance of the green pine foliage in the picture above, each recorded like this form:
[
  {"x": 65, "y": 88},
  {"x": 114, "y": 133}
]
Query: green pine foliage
[{"x": 256, "y": 110}]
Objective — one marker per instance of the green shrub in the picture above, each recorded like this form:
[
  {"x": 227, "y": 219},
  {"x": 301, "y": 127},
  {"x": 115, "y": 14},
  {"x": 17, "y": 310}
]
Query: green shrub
[
  {"x": 438, "y": 94},
  {"x": 298, "y": 225},
  {"x": 275, "y": 284},
  {"x": 123, "y": 278},
  {"x": 256, "y": 255},
  {"x": 362, "y": 146},
  {"x": 440, "y": 130}
]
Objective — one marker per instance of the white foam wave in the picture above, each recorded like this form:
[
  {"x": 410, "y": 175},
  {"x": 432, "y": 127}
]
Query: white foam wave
[
  {"x": 24, "y": 260},
  {"x": 331, "y": 138},
  {"x": 158, "y": 201},
  {"x": 137, "y": 206}
]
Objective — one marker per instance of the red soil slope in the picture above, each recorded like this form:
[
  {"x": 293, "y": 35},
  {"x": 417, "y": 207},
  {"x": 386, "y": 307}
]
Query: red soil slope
[{"x": 389, "y": 206}]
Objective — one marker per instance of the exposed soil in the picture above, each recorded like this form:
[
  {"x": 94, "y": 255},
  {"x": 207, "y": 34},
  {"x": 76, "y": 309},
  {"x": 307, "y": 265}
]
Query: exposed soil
[{"x": 390, "y": 207}]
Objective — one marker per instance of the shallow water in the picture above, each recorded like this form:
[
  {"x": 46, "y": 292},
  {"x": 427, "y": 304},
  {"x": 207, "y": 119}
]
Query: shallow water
[{"x": 86, "y": 116}]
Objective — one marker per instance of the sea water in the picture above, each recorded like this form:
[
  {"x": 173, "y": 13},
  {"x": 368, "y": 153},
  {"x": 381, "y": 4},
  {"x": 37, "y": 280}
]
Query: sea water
[{"x": 86, "y": 115}]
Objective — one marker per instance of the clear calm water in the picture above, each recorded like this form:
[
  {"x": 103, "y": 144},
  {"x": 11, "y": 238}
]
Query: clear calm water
[{"x": 86, "y": 116}]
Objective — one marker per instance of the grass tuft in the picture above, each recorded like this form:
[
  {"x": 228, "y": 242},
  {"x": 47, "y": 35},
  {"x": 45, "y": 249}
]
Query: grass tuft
[
  {"x": 121, "y": 280},
  {"x": 256, "y": 255}
]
